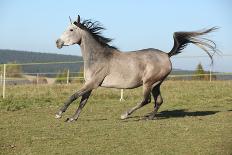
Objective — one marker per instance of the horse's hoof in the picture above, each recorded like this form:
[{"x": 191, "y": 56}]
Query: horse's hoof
[
  {"x": 124, "y": 116},
  {"x": 58, "y": 116},
  {"x": 151, "y": 118},
  {"x": 69, "y": 120}
]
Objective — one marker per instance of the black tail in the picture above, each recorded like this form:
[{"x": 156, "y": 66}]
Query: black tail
[{"x": 182, "y": 39}]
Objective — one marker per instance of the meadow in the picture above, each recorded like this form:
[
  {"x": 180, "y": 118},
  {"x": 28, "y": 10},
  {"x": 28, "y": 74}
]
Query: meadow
[{"x": 195, "y": 118}]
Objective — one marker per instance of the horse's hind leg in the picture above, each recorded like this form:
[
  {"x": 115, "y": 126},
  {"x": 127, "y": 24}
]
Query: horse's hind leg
[
  {"x": 146, "y": 100},
  {"x": 157, "y": 99}
]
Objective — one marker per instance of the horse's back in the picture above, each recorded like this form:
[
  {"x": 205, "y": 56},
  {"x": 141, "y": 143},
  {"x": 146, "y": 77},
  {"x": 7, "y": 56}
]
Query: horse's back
[
  {"x": 153, "y": 58},
  {"x": 132, "y": 69},
  {"x": 157, "y": 64}
]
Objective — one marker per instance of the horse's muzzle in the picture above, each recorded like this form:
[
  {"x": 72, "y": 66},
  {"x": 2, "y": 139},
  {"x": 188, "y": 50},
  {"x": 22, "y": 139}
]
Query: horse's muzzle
[{"x": 59, "y": 43}]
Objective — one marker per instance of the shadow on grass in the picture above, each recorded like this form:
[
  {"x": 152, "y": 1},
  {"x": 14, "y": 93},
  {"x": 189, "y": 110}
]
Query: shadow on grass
[
  {"x": 94, "y": 119},
  {"x": 183, "y": 113},
  {"x": 176, "y": 114},
  {"x": 162, "y": 115}
]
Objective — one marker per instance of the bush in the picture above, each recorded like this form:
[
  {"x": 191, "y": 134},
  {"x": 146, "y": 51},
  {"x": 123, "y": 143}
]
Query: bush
[
  {"x": 40, "y": 80},
  {"x": 80, "y": 76},
  {"x": 13, "y": 70},
  {"x": 61, "y": 77}
]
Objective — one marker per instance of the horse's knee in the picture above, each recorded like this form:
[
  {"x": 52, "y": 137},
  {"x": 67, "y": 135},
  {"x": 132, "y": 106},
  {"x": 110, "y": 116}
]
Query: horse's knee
[
  {"x": 158, "y": 101},
  {"x": 144, "y": 102},
  {"x": 73, "y": 97}
]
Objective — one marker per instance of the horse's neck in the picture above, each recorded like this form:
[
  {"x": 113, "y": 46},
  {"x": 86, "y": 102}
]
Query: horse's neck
[{"x": 91, "y": 50}]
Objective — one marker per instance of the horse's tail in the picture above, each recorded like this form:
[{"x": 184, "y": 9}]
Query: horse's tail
[{"x": 182, "y": 39}]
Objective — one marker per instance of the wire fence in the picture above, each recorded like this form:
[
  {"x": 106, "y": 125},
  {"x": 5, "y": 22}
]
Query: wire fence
[{"x": 72, "y": 72}]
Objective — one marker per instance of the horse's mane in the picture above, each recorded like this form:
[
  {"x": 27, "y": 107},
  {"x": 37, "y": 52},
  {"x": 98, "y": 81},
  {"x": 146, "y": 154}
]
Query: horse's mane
[{"x": 95, "y": 29}]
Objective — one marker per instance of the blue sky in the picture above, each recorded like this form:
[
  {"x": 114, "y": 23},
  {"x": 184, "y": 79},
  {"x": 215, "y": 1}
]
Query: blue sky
[{"x": 133, "y": 24}]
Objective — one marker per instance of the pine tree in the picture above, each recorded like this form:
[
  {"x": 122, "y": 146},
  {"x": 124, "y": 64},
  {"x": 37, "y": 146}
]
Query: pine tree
[{"x": 199, "y": 73}]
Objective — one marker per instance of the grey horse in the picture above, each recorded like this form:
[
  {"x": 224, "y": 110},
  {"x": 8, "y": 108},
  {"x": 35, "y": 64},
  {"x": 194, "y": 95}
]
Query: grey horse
[{"x": 106, "y": 66}]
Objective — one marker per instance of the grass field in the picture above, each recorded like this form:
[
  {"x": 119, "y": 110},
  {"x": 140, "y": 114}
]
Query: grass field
[{"x": 196, "y": 118}]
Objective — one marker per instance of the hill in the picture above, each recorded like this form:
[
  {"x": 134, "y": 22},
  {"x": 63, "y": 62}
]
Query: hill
[
  {"x": 49, "y": 70},
  {"x": 15, "y": 56}
]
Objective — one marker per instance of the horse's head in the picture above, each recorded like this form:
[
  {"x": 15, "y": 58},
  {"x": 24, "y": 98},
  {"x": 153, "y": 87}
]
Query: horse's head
[{"x": 72, "y": 35}]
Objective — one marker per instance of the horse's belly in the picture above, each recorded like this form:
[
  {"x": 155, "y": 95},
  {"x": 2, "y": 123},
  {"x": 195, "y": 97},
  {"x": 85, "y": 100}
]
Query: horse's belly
[{"x": 119, "y": 81}]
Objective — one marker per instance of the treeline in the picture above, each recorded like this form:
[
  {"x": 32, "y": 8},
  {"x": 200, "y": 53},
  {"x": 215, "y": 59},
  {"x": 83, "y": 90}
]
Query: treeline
[
  {"x": 19, "y": 57},
  {"x": 15, "y": 71},
  {"x": 198, "y": 74}
]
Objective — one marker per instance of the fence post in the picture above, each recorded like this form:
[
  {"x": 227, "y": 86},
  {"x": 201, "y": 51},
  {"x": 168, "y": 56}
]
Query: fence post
[
  {"x": 210, "y": 78},
  {"x": 67, "y": 77},
  {"x": 37, "y": 78},
  {"x": 4, "y": 82},
  {"x": 121, "y": 98},
  {"x": 210, "y": 74},
  {"x": 1, "y": 79}
]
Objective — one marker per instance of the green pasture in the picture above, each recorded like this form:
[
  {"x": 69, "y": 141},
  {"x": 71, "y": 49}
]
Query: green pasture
[{"x": 195, "y": 118}]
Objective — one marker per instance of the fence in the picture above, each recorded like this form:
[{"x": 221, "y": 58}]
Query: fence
[{"x": 26, "y": 75}]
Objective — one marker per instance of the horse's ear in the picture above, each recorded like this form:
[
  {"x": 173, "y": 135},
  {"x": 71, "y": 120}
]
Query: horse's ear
[
  {"x": 78, "y": 22},
  {"x": 78, "y": 19},
  {"x": 70, "y": 19}
]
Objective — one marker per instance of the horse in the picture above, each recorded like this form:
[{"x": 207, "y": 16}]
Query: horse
[{"x": 106, "y": 66}]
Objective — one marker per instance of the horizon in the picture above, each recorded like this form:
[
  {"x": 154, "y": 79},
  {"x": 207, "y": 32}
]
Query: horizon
[
  {"x": 137, "y": 25},
  {"x": 35, "y": 52}
]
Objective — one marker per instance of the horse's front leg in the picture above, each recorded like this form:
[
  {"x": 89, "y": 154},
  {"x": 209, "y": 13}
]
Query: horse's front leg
[
  {"x": 86, "y": 88},
  {"x": 83, "y": 101}
]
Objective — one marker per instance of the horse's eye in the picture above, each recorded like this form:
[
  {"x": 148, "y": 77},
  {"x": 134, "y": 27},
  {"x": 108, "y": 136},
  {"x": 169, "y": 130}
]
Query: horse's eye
[{"x": 71, "y": 29}]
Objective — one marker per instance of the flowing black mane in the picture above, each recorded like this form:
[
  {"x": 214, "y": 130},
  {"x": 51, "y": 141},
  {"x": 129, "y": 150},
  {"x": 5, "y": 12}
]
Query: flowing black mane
[{"x": 95, "y": 29}]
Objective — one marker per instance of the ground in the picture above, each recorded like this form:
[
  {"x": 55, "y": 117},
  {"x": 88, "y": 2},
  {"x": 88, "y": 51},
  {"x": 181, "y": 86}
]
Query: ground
[{"x": 195, "y": 118}]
